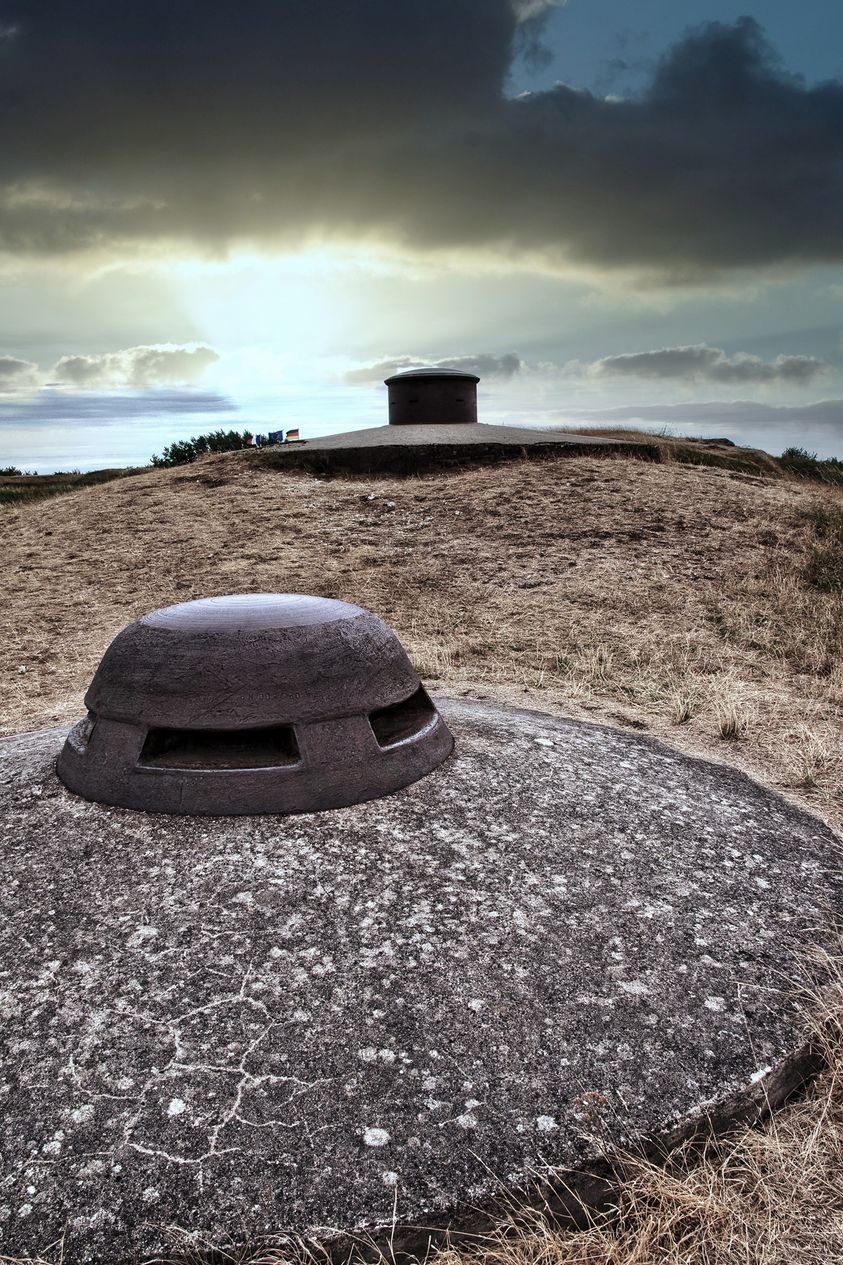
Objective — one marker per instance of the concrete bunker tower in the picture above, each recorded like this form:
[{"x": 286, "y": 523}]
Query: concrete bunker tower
[
  {"x": 433, "y": 425},
  {"x": 432, "y": 396}
]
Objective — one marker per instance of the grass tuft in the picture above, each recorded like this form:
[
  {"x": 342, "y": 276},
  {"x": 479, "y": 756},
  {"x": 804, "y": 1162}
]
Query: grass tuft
[
  {"x": 732, "y": 721},
  {"x": 811, "y": 758},
  {"x": 824, "y": 569}
]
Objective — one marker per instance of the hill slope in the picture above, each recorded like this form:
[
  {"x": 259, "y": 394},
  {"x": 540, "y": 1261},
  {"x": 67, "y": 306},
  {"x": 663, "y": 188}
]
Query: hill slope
[{"x": 666, "y": 596}]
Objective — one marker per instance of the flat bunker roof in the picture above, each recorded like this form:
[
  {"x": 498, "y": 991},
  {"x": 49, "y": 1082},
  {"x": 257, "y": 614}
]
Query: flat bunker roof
[{"x": 408, "y": 448}]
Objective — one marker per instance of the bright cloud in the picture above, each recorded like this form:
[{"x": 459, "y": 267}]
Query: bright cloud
[{"x": 134, "y": 367}]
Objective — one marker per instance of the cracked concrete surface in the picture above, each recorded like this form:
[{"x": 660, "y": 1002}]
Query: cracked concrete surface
[{"x": 563, "y": 936}]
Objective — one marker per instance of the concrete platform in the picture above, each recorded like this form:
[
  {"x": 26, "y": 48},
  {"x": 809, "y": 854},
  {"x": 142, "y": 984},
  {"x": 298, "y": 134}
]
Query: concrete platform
[
  {"x": 565, "y": 936},
  {"x": 408, "y": 449}
]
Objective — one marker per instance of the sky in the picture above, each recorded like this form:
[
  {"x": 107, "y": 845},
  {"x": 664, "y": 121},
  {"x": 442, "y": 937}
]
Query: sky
[{"x": 248, "y": 214}]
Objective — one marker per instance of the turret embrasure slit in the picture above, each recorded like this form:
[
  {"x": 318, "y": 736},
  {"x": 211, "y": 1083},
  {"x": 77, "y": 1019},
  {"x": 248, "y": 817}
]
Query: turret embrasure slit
[
  {"x": 267, "y": 748},
  {"x": 394, "y": 724}
]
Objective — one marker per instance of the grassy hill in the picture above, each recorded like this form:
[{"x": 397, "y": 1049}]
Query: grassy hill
[
  {"x": 702, "y": 603},
  {"x": 23, "y": 489}
]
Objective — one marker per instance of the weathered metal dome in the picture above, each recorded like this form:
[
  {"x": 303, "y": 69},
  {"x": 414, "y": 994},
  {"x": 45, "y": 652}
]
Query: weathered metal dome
[{"x": 255, "y": 703}]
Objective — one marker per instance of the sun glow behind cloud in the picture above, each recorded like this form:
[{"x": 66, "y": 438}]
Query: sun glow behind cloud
[
  {"x": 294, "y": 336},
  {"x": 344, "y": 207}
]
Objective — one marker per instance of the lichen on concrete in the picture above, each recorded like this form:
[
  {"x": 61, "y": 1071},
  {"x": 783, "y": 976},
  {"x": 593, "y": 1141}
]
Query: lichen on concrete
[{"x": 565, "y": 936}]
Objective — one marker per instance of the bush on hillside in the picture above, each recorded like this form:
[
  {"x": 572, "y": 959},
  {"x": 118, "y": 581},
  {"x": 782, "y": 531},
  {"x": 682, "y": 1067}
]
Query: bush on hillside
[
  {"x": 184, "y": 450},
  {"x": 807, "y": 465}
]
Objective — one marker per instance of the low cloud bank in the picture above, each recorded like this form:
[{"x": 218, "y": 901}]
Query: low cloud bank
[
  {"x": 137, "y": 367},
  {"x": 18, "y": 375},
  {"x": 49, "y": 407},
  {"x": 817, "y": 427},
  {"x": 708, "y": 364}
]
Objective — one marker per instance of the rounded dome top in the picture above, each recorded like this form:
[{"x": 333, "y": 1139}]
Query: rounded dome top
[
  {"x": 431, "y": 373},
  {"x": 250, "y": 612},
  {"x": 238, "y": 660}
]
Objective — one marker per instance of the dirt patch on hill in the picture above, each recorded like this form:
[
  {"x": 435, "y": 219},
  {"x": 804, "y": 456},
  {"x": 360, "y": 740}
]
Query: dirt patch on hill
[{"x": 665, "y": 597}]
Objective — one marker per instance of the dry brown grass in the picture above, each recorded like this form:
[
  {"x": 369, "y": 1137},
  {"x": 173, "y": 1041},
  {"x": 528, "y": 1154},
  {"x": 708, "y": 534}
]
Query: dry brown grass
[
  {"x": 703, "y": 452},
  {"x": 670, "y": 597},
  {"x": 695, "y": 603}
]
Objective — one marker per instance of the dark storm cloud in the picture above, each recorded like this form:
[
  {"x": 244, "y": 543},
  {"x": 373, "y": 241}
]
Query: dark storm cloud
[
  {"x": 51, "y": 408},
  {"x": 708, "y": 364},
  {"x": 205, "y": 124},
  {"x": 485, "y": 366}
]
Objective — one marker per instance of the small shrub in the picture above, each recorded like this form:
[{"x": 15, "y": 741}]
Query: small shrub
[
  {"x": 183, "y": 451},
  {"x": 807, "y": 465}
]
